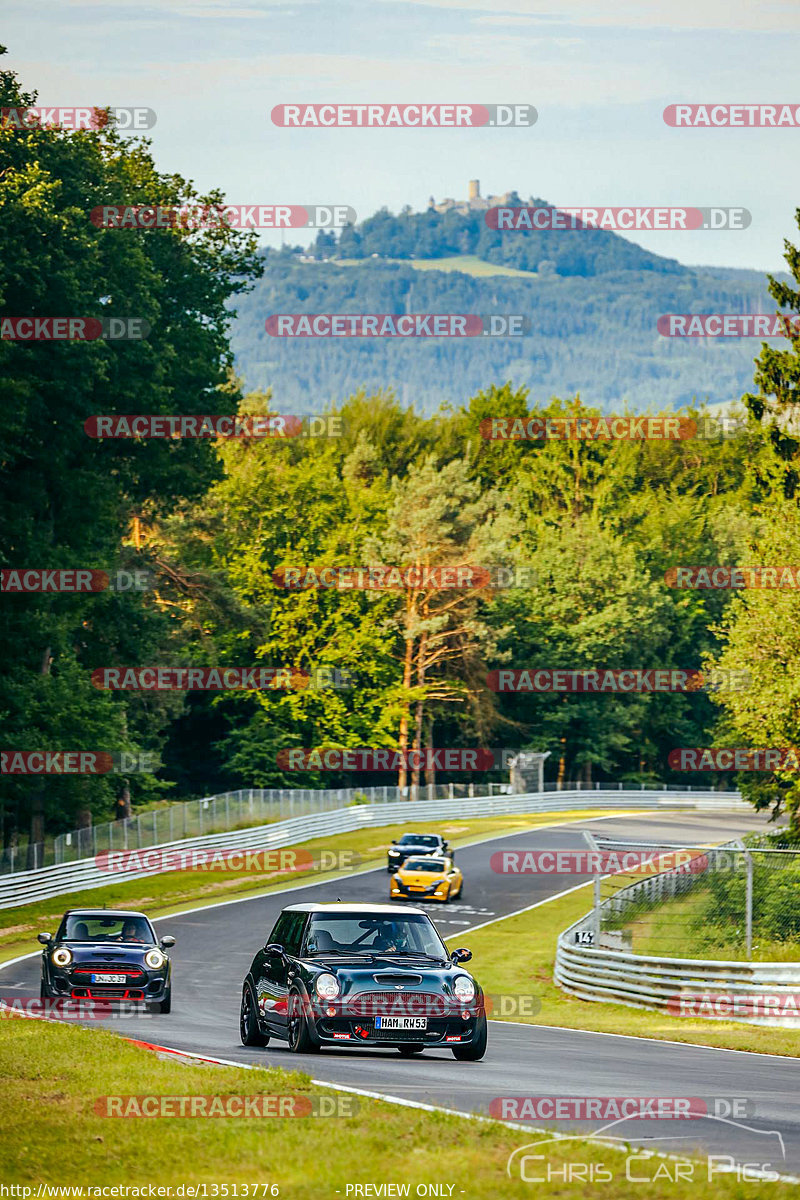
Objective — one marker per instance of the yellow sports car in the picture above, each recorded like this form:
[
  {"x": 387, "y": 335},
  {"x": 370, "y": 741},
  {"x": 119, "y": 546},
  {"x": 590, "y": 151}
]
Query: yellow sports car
[{"x": 428, "y": 876}]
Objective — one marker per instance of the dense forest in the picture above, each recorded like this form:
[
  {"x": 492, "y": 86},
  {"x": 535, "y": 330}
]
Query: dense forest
[
  {"x": 592, "y": 336},
  {"x": 216, "y": 523}
]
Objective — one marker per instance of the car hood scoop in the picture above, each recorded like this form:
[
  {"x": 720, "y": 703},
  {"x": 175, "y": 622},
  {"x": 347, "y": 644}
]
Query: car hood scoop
[{"x": 396, "y": 977}]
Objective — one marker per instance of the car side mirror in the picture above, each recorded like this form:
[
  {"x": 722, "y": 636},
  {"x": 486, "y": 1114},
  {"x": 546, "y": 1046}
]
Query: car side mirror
[
  {"x": 275, "y": 949},
  {"x": 461, "y": 956},
  {"x": 394, "y": 841},
  {"x": 167, "y": 941},
  {"x": 44, "y": 938}
]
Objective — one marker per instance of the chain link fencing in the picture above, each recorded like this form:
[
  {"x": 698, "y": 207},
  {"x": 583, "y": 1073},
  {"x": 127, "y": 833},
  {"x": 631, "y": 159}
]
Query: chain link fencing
[{"x": 739, "y": 900}]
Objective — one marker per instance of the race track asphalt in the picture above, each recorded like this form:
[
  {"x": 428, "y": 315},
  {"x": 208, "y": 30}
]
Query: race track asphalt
[{"x": 215, "y": 946}]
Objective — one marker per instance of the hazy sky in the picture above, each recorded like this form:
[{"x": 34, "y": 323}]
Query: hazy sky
[{"x": 599, "y": 74}]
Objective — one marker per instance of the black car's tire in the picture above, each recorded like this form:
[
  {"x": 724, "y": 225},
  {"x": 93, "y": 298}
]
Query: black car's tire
[
  {"x": 166, "y": 1004},
  {"x": 43, "y": 992},
  {"x": 249, "y": 1032},
  {"x": 409, "y": 1051},
  {"x": 299, "y": 1038},
  {"x": 476, "y": 1051}
]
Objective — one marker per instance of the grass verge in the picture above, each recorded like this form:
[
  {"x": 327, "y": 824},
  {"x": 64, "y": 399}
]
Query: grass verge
[
  {"x": 171, "y": 892},
  {"x": 52, "y": 1077},
  {"x": 515, "y": 957}
]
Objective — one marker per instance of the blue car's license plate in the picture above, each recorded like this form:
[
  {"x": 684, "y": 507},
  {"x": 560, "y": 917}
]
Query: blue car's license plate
[{"x": 103, "y": 978}]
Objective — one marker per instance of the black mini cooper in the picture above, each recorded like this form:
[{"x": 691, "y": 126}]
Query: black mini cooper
[
  {"x": 413, "y": 845},
  {"x": 103, "y": 954},
  {"x": 366, "y": 975}
]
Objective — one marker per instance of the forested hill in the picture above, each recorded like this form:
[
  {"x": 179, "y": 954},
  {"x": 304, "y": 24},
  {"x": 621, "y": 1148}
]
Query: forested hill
[
  {"x": 440, "y": 235},
  {"x": 592, "y": 297}
]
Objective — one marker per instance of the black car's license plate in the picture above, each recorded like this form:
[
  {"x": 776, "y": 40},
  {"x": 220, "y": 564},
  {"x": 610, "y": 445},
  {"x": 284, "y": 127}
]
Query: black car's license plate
[
  {"x": 103, "y": 978},
  {"x": 401, "y": 1022}
]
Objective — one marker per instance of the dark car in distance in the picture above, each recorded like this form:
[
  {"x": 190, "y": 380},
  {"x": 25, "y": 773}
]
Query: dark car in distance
[
  {"x": 104, "y": 954},
  {"x": 415, "y": 844},
  {"x": 362, "y": 975}
]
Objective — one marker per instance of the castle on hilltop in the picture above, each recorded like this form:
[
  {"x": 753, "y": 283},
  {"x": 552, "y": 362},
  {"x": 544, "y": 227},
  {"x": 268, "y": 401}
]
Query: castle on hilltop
[{"x": 475, "y": 202}]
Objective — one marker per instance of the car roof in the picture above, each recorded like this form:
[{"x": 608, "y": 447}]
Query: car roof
[
  {"x": 414, "y": 833},
  {"x": 103, "y": 912},
  {"x": 338, "y": 906}
]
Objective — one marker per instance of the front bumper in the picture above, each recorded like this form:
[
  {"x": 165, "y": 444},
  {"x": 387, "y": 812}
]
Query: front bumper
[
  {"x": 402, "y": 891},
  {"x": 75, "y": 982},
  {"x": 459, "y": 1026}
]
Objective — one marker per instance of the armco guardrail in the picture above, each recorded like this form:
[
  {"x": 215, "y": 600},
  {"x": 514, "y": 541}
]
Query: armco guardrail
[
  {"x": 751, "y": 993},
  {"x": 24, "y": 887}
]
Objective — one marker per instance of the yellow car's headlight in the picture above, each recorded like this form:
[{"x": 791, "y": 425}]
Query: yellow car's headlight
[{"x": 62, "y": 957}]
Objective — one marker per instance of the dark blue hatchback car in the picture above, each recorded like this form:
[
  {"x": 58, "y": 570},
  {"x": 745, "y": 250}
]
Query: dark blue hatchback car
[{"x": 103, "y": 954}]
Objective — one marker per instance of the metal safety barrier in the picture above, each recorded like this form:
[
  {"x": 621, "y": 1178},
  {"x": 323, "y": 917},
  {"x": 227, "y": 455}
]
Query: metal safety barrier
[
  {"x": 753, "y": 993},
  {"x": 25, "y": 887}
]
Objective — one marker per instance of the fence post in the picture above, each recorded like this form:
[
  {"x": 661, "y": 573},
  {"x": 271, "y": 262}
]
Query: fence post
[
  {"x": 748, "y": 858},
  {"x": 171, "y": 811},
  {"x": 155, "y": 826},
  {"x": 597, "y": 910}
]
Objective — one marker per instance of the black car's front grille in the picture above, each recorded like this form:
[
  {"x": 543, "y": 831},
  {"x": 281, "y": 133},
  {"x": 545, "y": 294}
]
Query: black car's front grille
[
  {"x": 84, "y": 974},
  {"x": 411, "y": 1004}
]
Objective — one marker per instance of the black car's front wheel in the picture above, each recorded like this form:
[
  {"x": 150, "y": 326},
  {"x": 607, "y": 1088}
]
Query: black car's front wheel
[
  {"x": 43, "y": 992},
  {"x": 249, "y": 1031},
  {"x": 476, "y": 1050},
  {"x": 166, "y": 1004},
  {"x": 300, "y": 1041}
]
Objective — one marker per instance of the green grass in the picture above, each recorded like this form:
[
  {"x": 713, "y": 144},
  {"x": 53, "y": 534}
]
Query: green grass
[
  {"x": 676, "y": 928},
  {"x": 175, "y": 891},
  {"x": 53, "y": 1075},
  {"x": 468, "y": 264},
  {"x": 515, "y": 957}
]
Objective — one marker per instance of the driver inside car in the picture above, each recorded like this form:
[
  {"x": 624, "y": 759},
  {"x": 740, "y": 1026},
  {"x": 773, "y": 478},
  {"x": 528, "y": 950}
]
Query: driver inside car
[{"x": 391, "y": 937}]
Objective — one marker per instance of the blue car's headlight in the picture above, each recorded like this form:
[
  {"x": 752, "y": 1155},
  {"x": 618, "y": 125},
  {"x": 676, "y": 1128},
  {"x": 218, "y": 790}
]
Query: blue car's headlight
[
  {"x": 155, "y": 959},
  {"x": 62, "y": 957}
]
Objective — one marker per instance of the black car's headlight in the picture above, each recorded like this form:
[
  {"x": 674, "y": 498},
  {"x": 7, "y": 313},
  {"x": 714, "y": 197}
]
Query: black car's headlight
[
  {"x": 327, "y": 986},
  {"x": 62, "y": 956},
  {"x": 464, "y": 989},
  {"x": 155, "y": 959},
  {"x": 394, "y": 854}
]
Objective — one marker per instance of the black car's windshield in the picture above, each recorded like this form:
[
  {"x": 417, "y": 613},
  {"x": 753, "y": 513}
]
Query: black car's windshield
[
  {"x": 424, "y": 864},
  {"x": 104, "y": 927},
  {"x": 345, "y": 933},
  {"x": 419, "y": 839}
]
